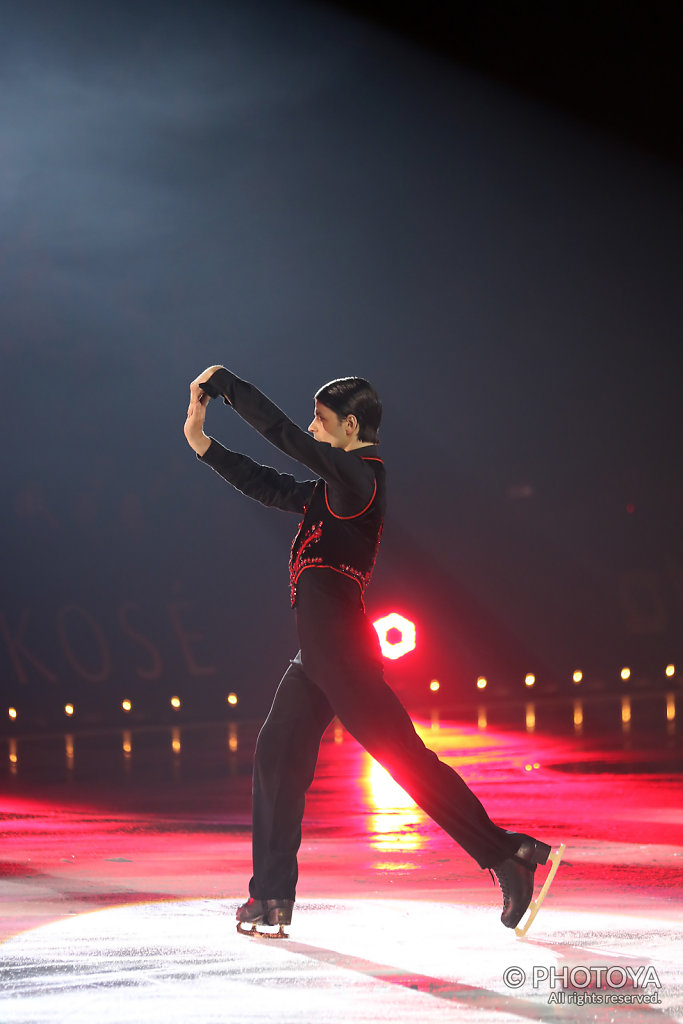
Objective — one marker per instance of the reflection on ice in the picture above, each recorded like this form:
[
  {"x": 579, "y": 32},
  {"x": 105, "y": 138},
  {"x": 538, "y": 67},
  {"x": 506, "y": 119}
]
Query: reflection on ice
[{"x": 395, "y": 825}]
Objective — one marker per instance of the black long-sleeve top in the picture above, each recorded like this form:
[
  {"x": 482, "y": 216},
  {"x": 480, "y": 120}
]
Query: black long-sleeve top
[{"x": 342, "y": 510}]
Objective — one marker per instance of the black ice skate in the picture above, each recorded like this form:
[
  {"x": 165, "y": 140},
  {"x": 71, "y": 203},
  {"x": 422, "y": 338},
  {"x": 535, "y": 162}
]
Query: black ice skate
[
  {"x": 277, "y": 913},
  {"x": 516, "y": 879}
]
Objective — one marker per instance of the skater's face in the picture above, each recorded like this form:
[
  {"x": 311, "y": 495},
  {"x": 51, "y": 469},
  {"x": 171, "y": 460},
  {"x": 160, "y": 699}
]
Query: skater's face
[{"x": 327, "y": 426}]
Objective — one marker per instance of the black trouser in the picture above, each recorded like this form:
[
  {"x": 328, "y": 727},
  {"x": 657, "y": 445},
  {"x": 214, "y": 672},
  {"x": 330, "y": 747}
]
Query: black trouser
[{"x": 338, "y": 671}]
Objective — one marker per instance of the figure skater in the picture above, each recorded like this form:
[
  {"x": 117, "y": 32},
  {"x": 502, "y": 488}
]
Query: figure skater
[{"x": 338, "y": 669}]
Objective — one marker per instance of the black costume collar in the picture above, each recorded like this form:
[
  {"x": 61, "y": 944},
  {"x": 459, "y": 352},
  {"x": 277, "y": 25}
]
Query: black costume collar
[{"x": 370, "y": 451}]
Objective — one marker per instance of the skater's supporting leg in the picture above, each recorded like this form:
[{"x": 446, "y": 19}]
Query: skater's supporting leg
[
  {"x": 284, "y": 763},
  {"x": 253, "y": 913}
]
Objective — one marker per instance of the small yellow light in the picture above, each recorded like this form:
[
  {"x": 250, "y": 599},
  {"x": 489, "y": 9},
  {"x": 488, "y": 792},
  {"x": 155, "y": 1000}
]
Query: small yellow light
[
  {"x": 12, "y": 712},
  {"x": 670, "y": 670},
  {"x": 530, "y": 718},
  {"x": 434, "y": 685},
  {"x": 232, "y": 698},
  {"x": 527, "y": 767},
  {"x": 578, "y": 676},
  {"x": 625, "y": 710},
  {"x": 529, "y": 679},
  {"x": 626, "y": 673},
  {"x": 175, "y": 740},
  {"x": 175, "y": 702},
  {"x": 68, "y": 709},
  {"x": 126, "y": 705},
  {"x": 127, "y": 746},
  {"x": 481, "y": 683},
  {"x": 13, "y": 759},
  {"x": 536, "y": 764},
  {"x": 670, "y": 707}
]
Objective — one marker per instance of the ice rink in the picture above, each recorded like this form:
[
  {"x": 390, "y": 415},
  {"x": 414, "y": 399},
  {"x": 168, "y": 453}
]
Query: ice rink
[{"x": 124, "y": 856}]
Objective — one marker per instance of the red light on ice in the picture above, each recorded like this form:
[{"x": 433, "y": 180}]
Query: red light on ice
[{"x": 395, "y": 624}]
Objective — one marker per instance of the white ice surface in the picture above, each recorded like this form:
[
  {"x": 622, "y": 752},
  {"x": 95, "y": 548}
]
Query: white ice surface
[{"x": 357, "y": 960}]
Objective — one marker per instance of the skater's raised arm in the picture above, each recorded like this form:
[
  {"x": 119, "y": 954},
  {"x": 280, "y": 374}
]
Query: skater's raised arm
[
  {"x": 337, "y": 467},
  {"x": 263, "y": 484},
  {"x": 277, "y": 490}
]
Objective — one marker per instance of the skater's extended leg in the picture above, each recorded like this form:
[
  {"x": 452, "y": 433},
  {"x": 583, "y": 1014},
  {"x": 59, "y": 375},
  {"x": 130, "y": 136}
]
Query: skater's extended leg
[
  {"x": 351, "y": 675},
  {"x": 340, "y": 653},
  {"x": 284, "y": 763},
  {"x": 516, "y": 878},
  {"x": 384, "y": 728}
]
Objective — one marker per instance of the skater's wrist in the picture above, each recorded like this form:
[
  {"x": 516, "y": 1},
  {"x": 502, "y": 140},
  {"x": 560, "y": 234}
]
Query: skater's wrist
[{"x": 199, "y": 443}]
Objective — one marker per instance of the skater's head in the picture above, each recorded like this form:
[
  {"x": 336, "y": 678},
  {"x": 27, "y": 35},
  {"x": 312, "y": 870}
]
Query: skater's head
[{"x": 347, "y": 413}]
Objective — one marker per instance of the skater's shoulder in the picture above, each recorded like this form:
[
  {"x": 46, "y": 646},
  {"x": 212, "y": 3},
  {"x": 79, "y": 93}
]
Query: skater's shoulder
[{"x": 368, "y": 453}]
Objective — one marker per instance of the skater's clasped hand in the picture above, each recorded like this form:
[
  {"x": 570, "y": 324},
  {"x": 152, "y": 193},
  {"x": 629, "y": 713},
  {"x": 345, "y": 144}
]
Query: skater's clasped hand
[{"x": 196, "y": 413}]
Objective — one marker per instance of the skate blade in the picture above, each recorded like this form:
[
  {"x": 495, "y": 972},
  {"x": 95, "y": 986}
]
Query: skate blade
[
  {"x": 554, "y": 857},
  {"x": 280, "y": 934}
]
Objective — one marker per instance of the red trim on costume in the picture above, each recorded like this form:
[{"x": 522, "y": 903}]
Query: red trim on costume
[
  {"x": 357, "y": 514},
  {"x": 341, "y": 573}
]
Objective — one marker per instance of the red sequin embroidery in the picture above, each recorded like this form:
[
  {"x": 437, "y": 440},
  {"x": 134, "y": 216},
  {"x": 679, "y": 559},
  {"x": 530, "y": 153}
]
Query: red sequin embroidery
[{"x": 297, "y": 563}]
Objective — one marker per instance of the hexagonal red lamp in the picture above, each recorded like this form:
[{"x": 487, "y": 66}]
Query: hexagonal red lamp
[{"x": 396, "y": 635}]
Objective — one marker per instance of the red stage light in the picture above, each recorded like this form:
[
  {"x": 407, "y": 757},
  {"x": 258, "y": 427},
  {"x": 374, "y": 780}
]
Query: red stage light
[{"x": 402, "y": 633}]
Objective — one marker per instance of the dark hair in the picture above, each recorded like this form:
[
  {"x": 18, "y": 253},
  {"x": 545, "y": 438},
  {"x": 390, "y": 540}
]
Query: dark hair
[{"x": 354, "y": 396}]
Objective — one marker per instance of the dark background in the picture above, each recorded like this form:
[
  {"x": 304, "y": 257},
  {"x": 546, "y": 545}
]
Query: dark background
[{"x": 478, "y": 207}]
